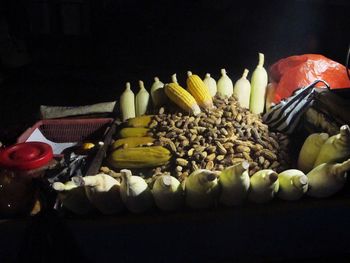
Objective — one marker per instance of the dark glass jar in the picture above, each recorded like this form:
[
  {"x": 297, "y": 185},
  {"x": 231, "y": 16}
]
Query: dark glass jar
[{"x": 21, "y": 165}]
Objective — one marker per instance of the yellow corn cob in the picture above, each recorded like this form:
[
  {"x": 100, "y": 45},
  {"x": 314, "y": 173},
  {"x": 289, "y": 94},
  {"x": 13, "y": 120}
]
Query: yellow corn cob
[
  {"x": 133, "y": 132},
  {"x": 131, "y": 142},
  {"x": 138, "y": 122},
  {"x": 140, "y": 157},
  {"x": 199, "y": 90},
  {"x": 182, "y": 98}
]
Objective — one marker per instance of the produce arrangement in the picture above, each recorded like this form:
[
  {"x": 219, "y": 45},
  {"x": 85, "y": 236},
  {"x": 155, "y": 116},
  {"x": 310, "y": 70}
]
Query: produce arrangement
[{"x": 201, "y": 144}]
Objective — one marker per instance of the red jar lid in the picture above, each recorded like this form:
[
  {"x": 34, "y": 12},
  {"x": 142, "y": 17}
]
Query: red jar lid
[{"x": 26, "y": 155}]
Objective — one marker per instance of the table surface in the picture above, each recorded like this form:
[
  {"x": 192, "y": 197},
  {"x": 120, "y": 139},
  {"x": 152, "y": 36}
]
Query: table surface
[{"x": 304, "y": 231}]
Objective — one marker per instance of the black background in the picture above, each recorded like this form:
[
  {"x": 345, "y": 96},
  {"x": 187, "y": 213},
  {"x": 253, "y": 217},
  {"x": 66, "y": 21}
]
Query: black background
[{"x": 82, "y": 52}]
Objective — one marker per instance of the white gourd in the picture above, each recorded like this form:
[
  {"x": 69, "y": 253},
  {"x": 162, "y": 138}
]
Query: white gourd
[
  {"x": 127, "y": 103},
  {"x": 225, "y": 85},
  {"x": 336, "y": 148},
  {"x": 103, "y": 191},
  {"x": 293, "y": 184},
  {"x": 135, "y": 193},
  {"x": 234, "y": 182},
  {"x": 241, "y": 90},
  {"x": 310, "y": 150},
  {"x": 158, "y": 95},
  {"x": 211, "y": 84},
  {"x": 174, "y": 78},
  {"x": 327, "y": 179},
  {"x": 73, "y": 198},
  {"x": 258, "y": 87},
  {"x": 142, "y": 100},
  {"x": 168, "y": 193},
  {"x": 263, "y": 186},
  {"x": 201, "y": 189}
]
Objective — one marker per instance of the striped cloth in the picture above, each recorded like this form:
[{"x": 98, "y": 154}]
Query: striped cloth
[{"x": 284, "y": 117}]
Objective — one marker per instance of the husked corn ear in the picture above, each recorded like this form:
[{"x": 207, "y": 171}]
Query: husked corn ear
[
  {"x": 137, "y": 122},
  {"x": 199, "y": 90},
  {"x": 133, "y": 132},
  {"x": 182, "y": 98},
  {"x": 131, "y": 142},
  {"x": 140, "y": 157}
]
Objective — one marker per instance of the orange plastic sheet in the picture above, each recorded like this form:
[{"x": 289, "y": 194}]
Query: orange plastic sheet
[{"x": 291, "y": 73}]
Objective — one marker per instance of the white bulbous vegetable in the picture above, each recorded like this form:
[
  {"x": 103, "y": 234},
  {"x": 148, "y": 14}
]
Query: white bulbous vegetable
[
  {"x": 258, "y": 87},
  {"x": 293, "y": 184},
  {"x": 241, "y": 90},
  {"x": 158, "y": 95},
  {"x": 73, "y": 198},
  {"x": 224, "y": 85},
  {"x": 263, "y": 186},
  {"x": 234, "y": 182},
  {"x": 201, "y": 189},
  {"x": 310, "y": 150},
  {"x": 168, "y": 193},
  {"x": 336, "y": 148},
  {"x": 103, "y": 191},
  {"x": 327, "y": 179},
  {"x": 135, "y": 193},
  {"x": 142, "y": 100},
  {"x": 211, "y": 84},
  {"x": 127, "y": 103}
]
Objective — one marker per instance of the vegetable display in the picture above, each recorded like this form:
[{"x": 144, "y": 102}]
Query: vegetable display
[{"x": 205, "y": 146}]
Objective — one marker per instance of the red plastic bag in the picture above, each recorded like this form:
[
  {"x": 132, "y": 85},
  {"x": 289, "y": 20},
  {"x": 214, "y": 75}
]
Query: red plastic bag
[{"x": 291, "y": 73}]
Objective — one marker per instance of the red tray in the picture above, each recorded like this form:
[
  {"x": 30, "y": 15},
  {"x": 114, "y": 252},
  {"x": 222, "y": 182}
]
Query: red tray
[{"x": 69, "y": 130}]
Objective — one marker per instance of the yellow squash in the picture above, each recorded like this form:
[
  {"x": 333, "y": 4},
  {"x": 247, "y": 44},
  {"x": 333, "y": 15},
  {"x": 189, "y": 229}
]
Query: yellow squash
[
  {"x": 133, "y": 132},
  {"x": 139, "y": 122},
  {"x": 131, "y": 142},
  {"x": 139, "y": 157}
]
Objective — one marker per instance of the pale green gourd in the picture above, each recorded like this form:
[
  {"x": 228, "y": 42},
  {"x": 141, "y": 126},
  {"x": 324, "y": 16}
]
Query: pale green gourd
[
  {"x": 327, "y": 179},
  {"x": 127, "y": 103},
  {"x": 263, "y": 186},
  {"x": 201, "y": 189},
  {"x": 158, "y": 95},
  {"x": 336, "y": 148},
  {"x": 258, "y": 87},
  {"x": 234, "y": 182},
  {"x": 293, "y": 184},
  {"x": 135, "y": 193},
  {"x": 224, "y": 85},
  {"x": 211, "y": 84},
  {"x": 142, "y": 100},
  {"x": 241, "y": 90},
  {"x": 73, "y": 198},
  {"x": 310, "y": 150},
  {"x": 103, "y": 191},
  {"x": 168, "y": 193}
]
